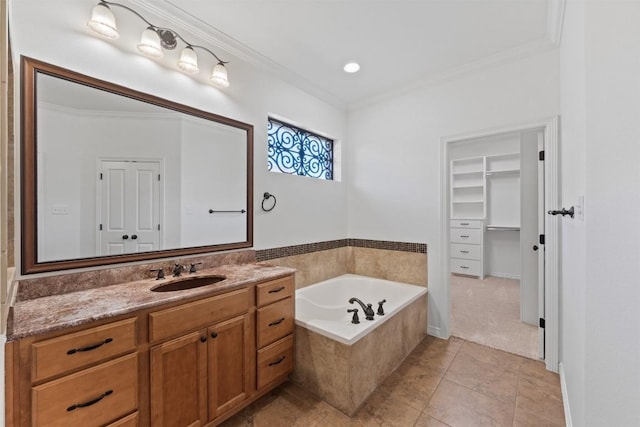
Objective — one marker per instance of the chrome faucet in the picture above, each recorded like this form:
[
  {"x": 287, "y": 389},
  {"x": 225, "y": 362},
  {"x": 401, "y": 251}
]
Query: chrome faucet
[{"x": 368, "y": 311}]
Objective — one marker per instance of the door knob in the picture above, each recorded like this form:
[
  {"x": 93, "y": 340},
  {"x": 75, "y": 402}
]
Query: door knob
[
  {"x": 125, "y": 236},
  {"x": 134, "y": 236},
  {"x": 535, "y": 247}
]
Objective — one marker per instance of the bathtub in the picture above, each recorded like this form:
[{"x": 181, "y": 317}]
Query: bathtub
[
  {"x": 342, "y": 362},
  {"x": 322, "y": 307}
]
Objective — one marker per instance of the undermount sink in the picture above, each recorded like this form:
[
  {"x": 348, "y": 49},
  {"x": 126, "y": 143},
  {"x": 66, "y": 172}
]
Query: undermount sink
[{"x": 187, "y": 283}]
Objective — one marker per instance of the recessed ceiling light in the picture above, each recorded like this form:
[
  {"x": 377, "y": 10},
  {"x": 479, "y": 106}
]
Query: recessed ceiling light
[{"x": 352, "y": 67}]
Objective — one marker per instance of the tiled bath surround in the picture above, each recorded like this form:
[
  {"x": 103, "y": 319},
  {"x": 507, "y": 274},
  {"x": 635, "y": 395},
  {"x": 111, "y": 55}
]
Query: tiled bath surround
[
  {"x": 345, "y": 375},
  {"x": 397, "y": 261}
]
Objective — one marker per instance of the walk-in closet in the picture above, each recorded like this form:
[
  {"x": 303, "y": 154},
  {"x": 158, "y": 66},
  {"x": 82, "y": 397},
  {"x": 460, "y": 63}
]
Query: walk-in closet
[{"x": 495, "y": 200}]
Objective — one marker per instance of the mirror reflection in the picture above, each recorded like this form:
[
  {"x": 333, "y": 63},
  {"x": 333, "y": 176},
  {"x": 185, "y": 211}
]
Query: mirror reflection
[{"x": 117, "y": 175}]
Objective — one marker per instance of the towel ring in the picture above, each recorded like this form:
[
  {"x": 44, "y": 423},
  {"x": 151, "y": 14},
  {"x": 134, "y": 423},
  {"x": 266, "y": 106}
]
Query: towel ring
[{"x": 266, "y": 196}]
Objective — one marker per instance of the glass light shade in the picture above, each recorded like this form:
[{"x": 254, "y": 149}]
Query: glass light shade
[
  {"x": 219, "y": 76},
  {"x": 103, "y": 22},
  {"x": 188, "y": 61},
  {"x": 150, "y": 43},
  {"x": 352, "y": 67}
]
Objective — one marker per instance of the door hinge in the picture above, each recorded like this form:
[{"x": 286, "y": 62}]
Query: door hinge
[
  {"x": 100, "y": 227},
  {"x": 158, "y": 227},
  {"x": 542, "y": 239},
  {"x": 541, "y": 322},
  {"x": 541, "y": 155},
  {"x": 100, "y": 176},
  {"x": 158, "y": 177}
]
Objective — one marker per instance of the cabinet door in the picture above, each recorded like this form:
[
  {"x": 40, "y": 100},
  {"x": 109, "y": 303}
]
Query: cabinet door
[
  {"x": 229, "y": 364},
  {"x": 179, "y": 382}
]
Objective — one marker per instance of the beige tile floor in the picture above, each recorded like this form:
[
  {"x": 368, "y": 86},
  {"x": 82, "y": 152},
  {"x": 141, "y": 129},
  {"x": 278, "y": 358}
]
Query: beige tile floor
[{"x": 441, "y": 383}]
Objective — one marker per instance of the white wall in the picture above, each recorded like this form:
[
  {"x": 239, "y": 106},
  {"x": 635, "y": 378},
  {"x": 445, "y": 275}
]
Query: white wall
[
  {"x": 572, "y": 166},
  {"x": 395, "y": 148},
  {"x": 60, "y": 36}
]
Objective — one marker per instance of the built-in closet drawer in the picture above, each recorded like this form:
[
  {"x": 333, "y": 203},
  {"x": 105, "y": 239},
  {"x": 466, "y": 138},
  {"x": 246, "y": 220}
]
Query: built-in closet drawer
[
  {"x": 128, "y": 421},
  {"x": 461, "y": 235},
  {"x": 466, "y": 266},
  {"x": 465, "y": 223},
  {"x": 59, "y": 355},
  {"x": 459, "y": 250}
]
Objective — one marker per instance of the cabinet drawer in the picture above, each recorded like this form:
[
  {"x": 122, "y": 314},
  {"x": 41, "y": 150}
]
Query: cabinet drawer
[
  {"x": 275, "y": 290},
  {"x": 62, "y": 354},
  {"x": 183, "y": 318},
  {"x": 128, "y": 421},
  {"x": 275, "y": 361},
  {"x": 461, "y": 235},
  {"x": 465, "y": 223},
  {"x": 93, "y": 397},
  {"x": 275, "y": 321},
  {"x": 459, "y": 250},
  {"x": 466, "y": 266}
]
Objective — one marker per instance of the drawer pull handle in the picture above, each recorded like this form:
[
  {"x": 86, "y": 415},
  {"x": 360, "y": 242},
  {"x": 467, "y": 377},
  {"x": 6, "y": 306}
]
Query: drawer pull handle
[
  {"x": 464, "y": 223},
  {"x": 89, "y": 403},
  {"x": 464, "y": 252},
  {"x": 89, "y": 347},
  {"x": 464, "y": 266},
  {"x": 277, "y": 362},
  {"x": 276, "y": 290},
  {"x": 464, "y": 236},
  {"x": 277, "y": 322}
]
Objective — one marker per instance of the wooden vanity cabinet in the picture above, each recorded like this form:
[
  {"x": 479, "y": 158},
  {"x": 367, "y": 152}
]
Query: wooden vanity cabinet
[{"x": 190, "y": 364}]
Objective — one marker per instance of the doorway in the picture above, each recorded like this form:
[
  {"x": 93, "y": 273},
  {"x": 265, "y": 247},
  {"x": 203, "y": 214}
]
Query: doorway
[
  {"x": 128, "y": 206},
  {"x": 499, "y": 240}
]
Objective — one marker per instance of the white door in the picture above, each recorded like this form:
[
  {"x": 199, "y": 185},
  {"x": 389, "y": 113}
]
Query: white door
[
  {"x": 541, "y": 250},
  {"x": 129, "y": 207}
]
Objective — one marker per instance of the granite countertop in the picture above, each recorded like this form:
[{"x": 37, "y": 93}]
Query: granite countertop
[{"x": 47, "y": 314}]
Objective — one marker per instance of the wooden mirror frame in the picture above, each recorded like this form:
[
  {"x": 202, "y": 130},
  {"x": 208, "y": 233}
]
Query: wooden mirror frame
[{"x": 29, "y": 179}]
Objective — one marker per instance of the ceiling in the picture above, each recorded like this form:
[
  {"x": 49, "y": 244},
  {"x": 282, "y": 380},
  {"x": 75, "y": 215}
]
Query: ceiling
[{"x": 396, "y": 42}]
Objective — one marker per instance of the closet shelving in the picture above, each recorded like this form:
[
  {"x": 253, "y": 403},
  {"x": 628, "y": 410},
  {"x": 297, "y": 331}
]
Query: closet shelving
[
  {"x": 485, "y": 197},
  {"x": 468, "y": 188}
]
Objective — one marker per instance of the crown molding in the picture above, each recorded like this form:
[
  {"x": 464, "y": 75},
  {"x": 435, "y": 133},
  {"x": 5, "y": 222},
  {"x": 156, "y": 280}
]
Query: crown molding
[
  {"x": 555, "y": 20},
  {"x": 500, "y": 58},
  {"x": 183, "y": 20}
]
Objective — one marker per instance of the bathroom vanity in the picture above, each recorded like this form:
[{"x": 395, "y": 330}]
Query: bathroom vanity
[{"x": 125, "y": 355}]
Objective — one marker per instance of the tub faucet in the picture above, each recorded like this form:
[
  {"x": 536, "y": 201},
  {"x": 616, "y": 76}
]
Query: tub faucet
[{"x": 368, "y": 311}]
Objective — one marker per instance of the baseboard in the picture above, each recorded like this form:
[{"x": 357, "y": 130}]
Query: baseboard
[
  {"x": 435, "y": 332},
  {"x": 565, "y": 396},
  {"x": 504, "y": 275}
]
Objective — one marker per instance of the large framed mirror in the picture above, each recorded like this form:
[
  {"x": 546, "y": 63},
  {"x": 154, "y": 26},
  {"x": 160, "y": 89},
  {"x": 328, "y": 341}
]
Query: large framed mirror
[{"x": 112, "y": 175}]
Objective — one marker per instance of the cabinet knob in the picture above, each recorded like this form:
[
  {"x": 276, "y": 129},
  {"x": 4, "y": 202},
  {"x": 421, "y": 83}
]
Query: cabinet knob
[
  {"x": 535, "y": 247},
  {"x": 214, "y": 335},
  {"x": 203, "y": 339}
]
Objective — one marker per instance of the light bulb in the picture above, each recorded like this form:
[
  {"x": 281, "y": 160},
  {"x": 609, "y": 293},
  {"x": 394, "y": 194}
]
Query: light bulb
[
  {"x": 103, "y": 22},
  {"x": 188, "y": 60},
  {"x": 219, "y": 76},
  {"x": 150, "y": 43}
]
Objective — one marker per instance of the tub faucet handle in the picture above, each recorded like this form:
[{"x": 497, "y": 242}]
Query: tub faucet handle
[
  {"x": 380, "y": 309},
  {"x": 355, "y": 319}
]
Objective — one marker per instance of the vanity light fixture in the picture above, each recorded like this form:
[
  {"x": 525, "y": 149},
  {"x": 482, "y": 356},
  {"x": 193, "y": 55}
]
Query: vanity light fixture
[{"x": 154, "y": 39}]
